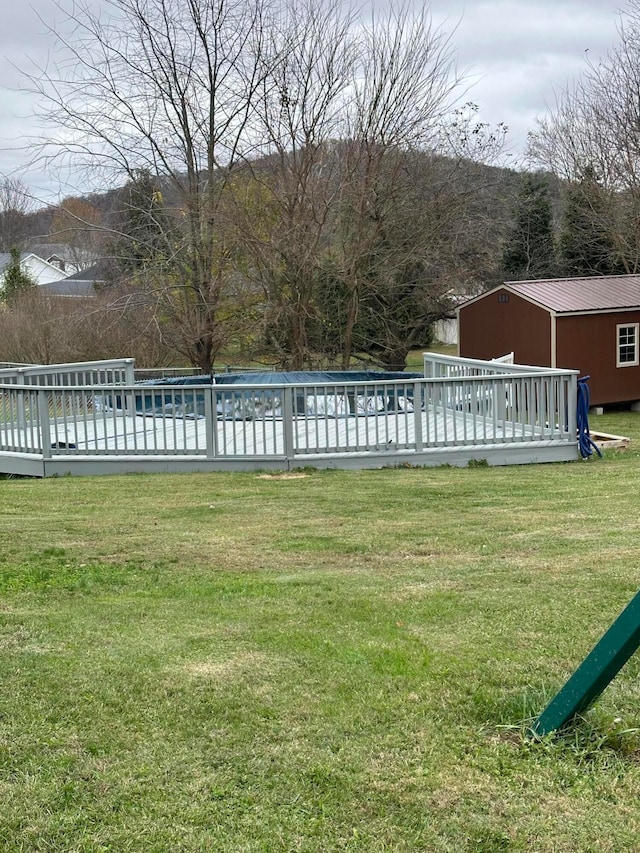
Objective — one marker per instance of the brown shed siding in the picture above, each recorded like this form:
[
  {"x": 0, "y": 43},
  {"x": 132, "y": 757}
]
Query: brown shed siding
[
  {"x": 588, "y": 343},
  {"x": 491, "y": 327}
]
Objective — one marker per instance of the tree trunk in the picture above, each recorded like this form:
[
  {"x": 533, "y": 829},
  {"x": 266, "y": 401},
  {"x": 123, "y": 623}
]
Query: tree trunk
[{"x": 350, "y": 323}]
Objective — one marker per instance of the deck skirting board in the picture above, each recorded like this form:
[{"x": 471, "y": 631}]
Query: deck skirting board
[{"x": 494, "y": 455}]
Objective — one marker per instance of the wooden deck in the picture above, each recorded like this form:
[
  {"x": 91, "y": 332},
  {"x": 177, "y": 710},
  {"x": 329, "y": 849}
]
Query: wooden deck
[
  {"x": 499, "y": 417},
  {"x": 115, "y": 443},
  {"x": 118, "y": 432}
]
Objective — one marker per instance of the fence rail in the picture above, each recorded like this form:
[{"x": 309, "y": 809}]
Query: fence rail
[
  {"x": 476, "y": 409},
  {"x": 145, "y": 373},
  {"x": 111, "y": 372},
  {"x": 449, "y": 366}
]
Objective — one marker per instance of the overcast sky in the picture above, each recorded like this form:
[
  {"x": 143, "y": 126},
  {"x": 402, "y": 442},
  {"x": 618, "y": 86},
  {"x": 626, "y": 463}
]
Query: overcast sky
[
  {"x": 516, "y": 51},
  {"x": 520, "y": 51}
]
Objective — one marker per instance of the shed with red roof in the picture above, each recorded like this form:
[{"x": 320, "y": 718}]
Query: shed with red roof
[{"x": 586, "y": 324}]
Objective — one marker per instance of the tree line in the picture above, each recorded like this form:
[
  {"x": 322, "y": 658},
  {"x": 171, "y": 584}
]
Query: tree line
[
  {"x": 299, "y": 181},
  {"x": 556, "y": 231},
  {"x": 302, "y": 183},
  {"x": 591, "y": 140}
]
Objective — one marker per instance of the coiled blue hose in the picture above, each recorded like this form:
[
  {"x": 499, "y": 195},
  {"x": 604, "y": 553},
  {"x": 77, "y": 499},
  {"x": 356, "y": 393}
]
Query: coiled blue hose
[{"x": 585, "y": 442}]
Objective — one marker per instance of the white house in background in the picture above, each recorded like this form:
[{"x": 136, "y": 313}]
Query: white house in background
[
  {"x": 68, "y": 259},
  {"x": 41, "y": 271}
]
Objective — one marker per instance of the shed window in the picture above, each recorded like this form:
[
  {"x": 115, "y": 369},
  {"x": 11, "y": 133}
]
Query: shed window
[
  {"x": 627, "y": 345},
  {"x": 503, "y": 297}
]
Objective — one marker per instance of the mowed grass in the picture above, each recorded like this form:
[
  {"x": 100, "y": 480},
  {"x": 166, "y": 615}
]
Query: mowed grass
[{"x": 333, "y": 661}]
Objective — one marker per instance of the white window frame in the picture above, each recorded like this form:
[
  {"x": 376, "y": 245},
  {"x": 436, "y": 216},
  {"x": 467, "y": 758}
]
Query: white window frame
[{"x": 625, "y": 343}]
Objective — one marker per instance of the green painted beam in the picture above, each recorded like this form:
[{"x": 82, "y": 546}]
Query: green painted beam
[{"x": 595, "y": 672}]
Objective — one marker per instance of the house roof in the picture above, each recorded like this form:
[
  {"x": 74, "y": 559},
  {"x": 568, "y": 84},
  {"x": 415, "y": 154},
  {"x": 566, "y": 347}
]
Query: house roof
[
  {"x": 96, "y": 272},
  {"x": 70, "y": 254},
  {"x": 5, "y": 260},
  {"x": 578, "y": 295},
  {"x": 66, "y": 287},
  {"x": 77, "y": 284}
]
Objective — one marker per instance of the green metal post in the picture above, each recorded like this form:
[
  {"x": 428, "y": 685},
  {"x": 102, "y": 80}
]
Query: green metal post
[{"x": 595, "y": 672}]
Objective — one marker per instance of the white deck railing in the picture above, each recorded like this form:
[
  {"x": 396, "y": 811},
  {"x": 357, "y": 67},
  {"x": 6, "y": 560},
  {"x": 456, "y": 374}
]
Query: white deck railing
[
  {"x": 118, "y": 371},
  {"x": 489, "y": 406},
  {"x": 449, "y": 366}
]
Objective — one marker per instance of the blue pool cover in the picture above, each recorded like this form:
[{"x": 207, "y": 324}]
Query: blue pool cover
[{"x": 254, "y": 403}]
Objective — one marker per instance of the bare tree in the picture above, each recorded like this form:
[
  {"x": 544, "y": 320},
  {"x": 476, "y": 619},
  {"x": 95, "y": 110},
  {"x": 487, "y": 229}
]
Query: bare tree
[
  {"x": 594, "y": 129},
  {"x": 343, "y": 110},
  {"x": 15, "y": 203},
  {"x": 422, "y": 240},
  {"x": 166, "y": 86},
  {"x": 77, "y": 224},
  {"x": 42, "y": 328},
  {"x": 403, "y": 87},
  {"x": 284, "y": 220},
  {"x": 282, "y": 137}
]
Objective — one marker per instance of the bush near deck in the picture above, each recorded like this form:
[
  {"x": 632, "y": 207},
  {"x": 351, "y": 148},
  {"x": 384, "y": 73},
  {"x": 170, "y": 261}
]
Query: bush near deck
[{"x": 325, "y": 661}]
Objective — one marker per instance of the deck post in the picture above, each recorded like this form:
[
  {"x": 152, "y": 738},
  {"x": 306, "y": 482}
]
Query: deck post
[
  {"x": 417, "y": 415},
  {"x": 500, "y": 398},
  {"x": 572, "y": 405},
  {"x": 130, "y": 371},
  {"x": 211, "y": 422},
  {"x": 288, "y": 393},
  {"x": 44, "y": 423}
]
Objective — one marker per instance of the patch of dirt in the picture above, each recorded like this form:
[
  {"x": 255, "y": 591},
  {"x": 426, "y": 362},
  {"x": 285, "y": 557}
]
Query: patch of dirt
[
  {"x": 285, "y": 475},
  {"x": 234, "y": 666}
]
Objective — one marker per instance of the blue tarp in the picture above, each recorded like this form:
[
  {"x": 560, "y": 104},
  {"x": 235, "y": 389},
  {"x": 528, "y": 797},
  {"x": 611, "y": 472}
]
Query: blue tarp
[
  {"x": 249, "y": 404},
  {"x": 291, "y": 377}
]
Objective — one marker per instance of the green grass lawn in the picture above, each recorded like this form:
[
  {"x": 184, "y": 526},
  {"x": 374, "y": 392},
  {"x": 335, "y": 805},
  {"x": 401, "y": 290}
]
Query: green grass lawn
[
  {"x": 414, "y": 363},
  {"x": 415, "y": 359},
  {"x": 334, "y": 661}
]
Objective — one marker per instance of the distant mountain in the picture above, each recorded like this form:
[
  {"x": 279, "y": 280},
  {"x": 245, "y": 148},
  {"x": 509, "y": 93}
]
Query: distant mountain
[{"x": 491, "y": 194}]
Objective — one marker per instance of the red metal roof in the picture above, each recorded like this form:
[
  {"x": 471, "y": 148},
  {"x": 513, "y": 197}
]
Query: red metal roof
[{"x": 567, "y": 295}]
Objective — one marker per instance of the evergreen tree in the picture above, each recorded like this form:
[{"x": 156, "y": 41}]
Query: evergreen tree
[
  {"x": 146, "y": 233},
  {"x": 530, "y": 251},
  {"x": 16, "y": 279},
  {"x": 586, "y": 247}
]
